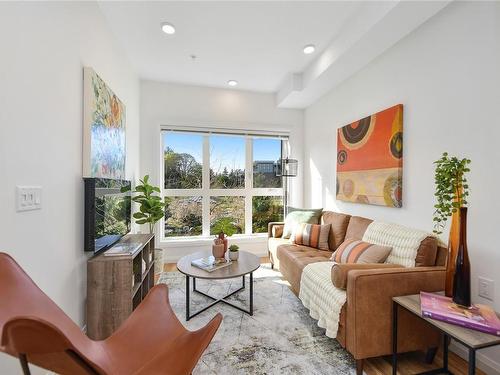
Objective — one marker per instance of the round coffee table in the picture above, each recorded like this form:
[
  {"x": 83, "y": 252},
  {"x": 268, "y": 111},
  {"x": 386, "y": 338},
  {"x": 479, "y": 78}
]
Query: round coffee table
[{"x": 246, "y": 264}]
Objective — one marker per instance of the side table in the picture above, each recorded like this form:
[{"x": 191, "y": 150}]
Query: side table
[{"x": 471, "y": 339}]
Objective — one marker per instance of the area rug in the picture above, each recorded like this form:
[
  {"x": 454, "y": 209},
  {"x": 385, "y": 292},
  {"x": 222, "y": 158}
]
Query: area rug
[{"x": 280, "y": 337}]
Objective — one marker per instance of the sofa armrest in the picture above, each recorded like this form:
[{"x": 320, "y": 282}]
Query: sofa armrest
[
  {"x": 270, "y": 227},
  {"x": 369, "y": 309},
  {"x": 341, "y": 270}
]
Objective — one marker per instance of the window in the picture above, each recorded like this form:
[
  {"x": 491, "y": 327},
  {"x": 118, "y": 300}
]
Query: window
[{"x": 213, "y": 181}]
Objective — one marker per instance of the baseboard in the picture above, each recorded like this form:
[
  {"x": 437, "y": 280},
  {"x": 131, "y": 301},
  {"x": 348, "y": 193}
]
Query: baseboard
[{"x": 484, "y": 363}]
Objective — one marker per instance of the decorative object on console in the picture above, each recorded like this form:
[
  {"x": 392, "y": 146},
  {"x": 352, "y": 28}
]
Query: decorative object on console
[
  {"x": 104, "y": 129},
  {"x": 370, "y": 159},
  {"x": 356, "y": 251},
  {"x": 151, "y": 207},
  {"x": 234, "y": 252},
  {"x": 313, "y": 235},
  {"x": 451, "y": 194}
]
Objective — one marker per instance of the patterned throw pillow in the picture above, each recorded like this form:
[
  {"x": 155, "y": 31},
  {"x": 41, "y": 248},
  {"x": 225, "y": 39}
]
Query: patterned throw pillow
[
  {"x": 356, "y": 251},
  {"x": 298, "y": 216},
  {"x": 313, "y": 235}
]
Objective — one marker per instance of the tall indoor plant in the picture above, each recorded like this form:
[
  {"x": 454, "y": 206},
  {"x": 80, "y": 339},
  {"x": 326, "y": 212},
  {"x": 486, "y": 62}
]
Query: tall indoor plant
[
  {"x": 451, "y": 194},
  {"x": 151, "y": 205}
]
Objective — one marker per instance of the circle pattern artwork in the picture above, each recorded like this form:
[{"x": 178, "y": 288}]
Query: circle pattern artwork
[
  {"x": 357, "y": 134},
  {"x": 341, "y": 156},
  {"x": 393, "y": 188},
  {"x": 348, "y": 188},
  {"x": 397, "y": 145}
]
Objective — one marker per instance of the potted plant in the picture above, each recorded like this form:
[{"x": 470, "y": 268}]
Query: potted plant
[
  {"x": 225, "y": 227},
  {"x": 451, "y": 194},
  {"x": 151, "y": 205},
  {"x": 151, "y": 210},
  {"x": 234, "y": 252}
]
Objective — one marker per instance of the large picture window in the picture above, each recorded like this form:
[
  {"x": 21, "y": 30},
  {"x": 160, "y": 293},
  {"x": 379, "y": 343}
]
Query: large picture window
[{"x": 212, "y": 180}]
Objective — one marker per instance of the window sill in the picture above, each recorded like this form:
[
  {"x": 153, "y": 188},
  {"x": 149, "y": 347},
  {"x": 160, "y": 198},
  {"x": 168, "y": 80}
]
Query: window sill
[{"x": 188, "y": 242}]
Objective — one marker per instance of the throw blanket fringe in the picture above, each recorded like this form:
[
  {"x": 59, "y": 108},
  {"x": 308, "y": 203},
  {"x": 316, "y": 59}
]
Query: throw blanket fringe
[
  {"x": 403, "y": 240},
  {"x": 321, "y": 297}
]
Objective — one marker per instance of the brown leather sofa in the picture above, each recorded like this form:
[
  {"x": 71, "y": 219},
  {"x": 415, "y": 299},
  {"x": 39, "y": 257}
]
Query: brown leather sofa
[{"x": 366, "y": 319}]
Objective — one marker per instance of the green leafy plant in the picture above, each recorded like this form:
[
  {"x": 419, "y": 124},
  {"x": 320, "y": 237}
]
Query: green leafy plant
[
  {"x": 234, "y": 248},
  {"x": 151, "y": 207},
  {"x": 225, "y": 225},
  {"x": 452, "y": 189}
]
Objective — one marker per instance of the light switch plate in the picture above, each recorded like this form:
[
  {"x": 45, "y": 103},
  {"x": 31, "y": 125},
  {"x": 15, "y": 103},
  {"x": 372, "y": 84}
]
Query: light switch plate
[
  {"x": 486, "y": 288},
  {"x": 28, "y": 198}
]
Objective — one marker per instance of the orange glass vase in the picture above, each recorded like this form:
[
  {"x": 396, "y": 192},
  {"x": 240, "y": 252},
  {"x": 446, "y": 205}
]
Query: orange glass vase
[{"x": 453, "y": 243}]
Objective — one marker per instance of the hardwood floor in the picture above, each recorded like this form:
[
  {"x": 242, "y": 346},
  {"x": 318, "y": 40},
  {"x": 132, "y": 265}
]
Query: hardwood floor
[{"x": 408, "y": 363}]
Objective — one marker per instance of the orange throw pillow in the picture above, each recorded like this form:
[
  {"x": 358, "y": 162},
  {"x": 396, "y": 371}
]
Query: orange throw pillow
[
  {"x": 355, "y": 251},
  {"x": 313, "y": 235}
]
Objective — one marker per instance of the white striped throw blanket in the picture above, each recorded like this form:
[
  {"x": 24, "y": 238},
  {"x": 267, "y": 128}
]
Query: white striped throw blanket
[
  {"x": 403, "y": 240},
  {"x": 321, "y": 297},
  {"x": 325, "y": 301}
]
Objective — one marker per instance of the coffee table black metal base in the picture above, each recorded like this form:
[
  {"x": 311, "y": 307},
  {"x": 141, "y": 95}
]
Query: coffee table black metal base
[{"x": 217, "y": 300}]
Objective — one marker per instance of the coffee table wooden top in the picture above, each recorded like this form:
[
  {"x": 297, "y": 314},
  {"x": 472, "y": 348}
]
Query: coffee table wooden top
[
  {"x": 245, "y": 264},
  {"x": 469, "y": 337}
]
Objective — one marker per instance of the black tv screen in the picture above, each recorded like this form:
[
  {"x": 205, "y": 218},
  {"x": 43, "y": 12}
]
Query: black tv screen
[{"x": 107, "y": 212}]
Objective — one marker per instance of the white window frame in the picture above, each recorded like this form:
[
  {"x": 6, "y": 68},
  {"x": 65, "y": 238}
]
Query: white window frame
[{"x": 206, "y": 192}]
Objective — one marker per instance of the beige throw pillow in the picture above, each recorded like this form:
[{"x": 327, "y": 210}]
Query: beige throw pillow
[
  {"x": 313, "y": 235},
  {"x": 356, "y": 251}
]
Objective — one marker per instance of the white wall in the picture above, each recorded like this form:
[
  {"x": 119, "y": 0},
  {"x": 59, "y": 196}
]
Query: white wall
[
  {"x": 43, "y": 50},
  {"x": 447, "y": 75},
  {"x": 173, "y": 104}
]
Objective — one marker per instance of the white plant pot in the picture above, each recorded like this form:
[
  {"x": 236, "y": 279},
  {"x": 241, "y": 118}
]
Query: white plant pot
[{"x": 233, "y": 255}]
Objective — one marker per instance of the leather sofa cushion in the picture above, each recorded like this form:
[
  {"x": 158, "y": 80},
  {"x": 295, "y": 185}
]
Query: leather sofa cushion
[
  {"x": 277, "y": 231},
  {"x": 427, "y": 252},
  {"x": 340, "y": 271},
  {"x": 357, "y": 227},
  {"x": 339, "y": 223},
  {"x": 293, "y": 259}
]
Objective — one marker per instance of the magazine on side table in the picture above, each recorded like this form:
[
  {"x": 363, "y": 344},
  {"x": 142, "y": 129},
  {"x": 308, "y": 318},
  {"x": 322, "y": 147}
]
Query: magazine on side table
[
  {"x": 210, "y": 263},
  {"x": 478, "y": 317}
]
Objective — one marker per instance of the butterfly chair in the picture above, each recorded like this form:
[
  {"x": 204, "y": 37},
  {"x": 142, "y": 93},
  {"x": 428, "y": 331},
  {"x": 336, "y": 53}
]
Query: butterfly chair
[{"x": 151, "y": 341}]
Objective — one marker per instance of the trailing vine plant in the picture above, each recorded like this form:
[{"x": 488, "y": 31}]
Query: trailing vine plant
[{"x": 452, "y": 189}]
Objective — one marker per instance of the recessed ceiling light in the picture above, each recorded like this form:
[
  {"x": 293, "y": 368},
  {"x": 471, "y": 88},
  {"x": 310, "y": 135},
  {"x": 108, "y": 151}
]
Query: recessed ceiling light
[
  {"x": 232, "y": 82},
  {"x": 309, "y": 49},
  {"x": 168, "y": 28}
]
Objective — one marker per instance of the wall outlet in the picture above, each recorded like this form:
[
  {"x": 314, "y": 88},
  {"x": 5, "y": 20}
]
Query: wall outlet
[
  {"x": 486, "y": 288},
  {"x": 29, "y": 198}
]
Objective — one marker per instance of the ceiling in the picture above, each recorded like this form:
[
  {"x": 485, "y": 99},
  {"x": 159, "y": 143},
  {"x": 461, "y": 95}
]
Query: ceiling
[
  {"x": 255, "y": 43},
  {"x": 260, "y": 43}
]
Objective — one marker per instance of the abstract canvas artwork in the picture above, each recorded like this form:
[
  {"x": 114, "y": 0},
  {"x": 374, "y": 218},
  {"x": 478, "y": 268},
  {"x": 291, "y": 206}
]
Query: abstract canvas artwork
[
  {"x": 104, "y": 129},
  {"x": 370, "y": 159}
]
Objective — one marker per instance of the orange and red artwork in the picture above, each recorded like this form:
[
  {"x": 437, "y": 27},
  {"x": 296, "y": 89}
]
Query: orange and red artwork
[{"x": 370, "y": 159}]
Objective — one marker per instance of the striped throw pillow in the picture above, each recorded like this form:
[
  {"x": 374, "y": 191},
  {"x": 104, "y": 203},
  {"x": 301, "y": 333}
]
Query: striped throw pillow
[
  {"x": 356, "y": 251},
  {"x": 313, "y": 235}
]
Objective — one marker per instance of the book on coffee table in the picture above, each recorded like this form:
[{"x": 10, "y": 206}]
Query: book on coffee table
[
  {"x": 478, "y": 317},
  {"x": 210, "y": 263}
]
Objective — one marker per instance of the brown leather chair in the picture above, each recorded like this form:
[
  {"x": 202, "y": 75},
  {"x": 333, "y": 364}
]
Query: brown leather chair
[{"x": 151, "y": 341}]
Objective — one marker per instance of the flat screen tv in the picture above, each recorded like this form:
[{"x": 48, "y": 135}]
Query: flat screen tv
[{"x": 107, "y": 212}]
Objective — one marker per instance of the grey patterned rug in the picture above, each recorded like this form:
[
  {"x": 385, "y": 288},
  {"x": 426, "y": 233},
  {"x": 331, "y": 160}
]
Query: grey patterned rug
[{"x": 280, "y": 338}]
